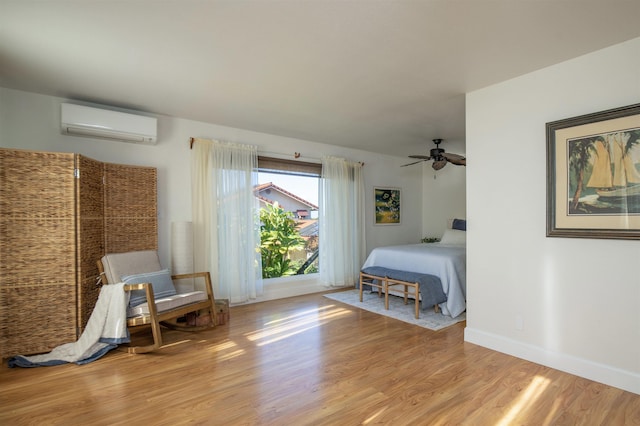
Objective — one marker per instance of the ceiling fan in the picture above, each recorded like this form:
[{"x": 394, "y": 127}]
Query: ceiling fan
[{"x": 439, "y": 157}]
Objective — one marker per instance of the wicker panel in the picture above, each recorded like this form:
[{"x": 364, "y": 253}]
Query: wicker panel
[
  {"x": 36, "y": 184},
  {"x": 39, "y": 318},
  {"x": 131, "y": 234},
  {"x": 91, "y": 236},
  {"x": 48, "y": 253},
  {"x": 130, "y": 191},
  {"x": 130, "y": 208},
  {"x": 37, "y": 251},
  {"x": 90, "y": 187}
]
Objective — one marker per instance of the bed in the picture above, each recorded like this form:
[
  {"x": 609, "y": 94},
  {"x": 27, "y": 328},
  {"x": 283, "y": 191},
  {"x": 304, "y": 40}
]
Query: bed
[{"x": 446, "y": 259}]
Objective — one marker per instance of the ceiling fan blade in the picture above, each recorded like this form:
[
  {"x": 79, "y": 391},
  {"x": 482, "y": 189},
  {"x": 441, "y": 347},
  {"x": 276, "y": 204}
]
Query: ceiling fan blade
[
  {"x": 411, "y": 164},
  {"x": 456, "y": 159},
  {"x": 450, "y": 156},
  {"x": 424, "y": 157},
  {"x": 437, "y": 165}
]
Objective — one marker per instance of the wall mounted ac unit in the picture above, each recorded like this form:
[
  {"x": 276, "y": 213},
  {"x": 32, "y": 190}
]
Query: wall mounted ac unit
[{"x": 79, "y": 120}]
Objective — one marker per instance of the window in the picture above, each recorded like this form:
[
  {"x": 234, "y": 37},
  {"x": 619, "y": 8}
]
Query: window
[{"x": 288, "y": 195}]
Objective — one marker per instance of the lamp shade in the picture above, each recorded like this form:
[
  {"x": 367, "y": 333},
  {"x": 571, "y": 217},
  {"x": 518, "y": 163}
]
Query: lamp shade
[{"x": 182, "y": 253}]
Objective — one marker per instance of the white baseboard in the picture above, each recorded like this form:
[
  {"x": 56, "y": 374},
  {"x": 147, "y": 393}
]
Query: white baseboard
[{"x": 601, "y": 373}]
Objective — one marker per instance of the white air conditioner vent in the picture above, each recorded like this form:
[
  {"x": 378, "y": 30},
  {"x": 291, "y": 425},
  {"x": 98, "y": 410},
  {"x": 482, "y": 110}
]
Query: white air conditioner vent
[{"x": 79, "y": 120}]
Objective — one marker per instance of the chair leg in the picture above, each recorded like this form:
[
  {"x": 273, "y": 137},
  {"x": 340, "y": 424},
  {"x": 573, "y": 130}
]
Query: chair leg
[
  {"x": 142, "y": 349},
  {"x": 157, "y": 341}
]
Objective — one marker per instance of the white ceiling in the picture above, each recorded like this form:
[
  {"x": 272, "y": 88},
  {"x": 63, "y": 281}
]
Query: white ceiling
[{"x": 383, "y": 76}]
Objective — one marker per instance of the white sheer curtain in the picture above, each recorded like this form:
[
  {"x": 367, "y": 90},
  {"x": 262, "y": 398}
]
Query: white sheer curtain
[
  {"x": 225, "y": 217},
  {"x": 342, "y": 238}
]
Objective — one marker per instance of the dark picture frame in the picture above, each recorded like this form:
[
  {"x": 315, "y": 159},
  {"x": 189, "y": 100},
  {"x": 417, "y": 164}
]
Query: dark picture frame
[
  {"x": 593, "y": 175},
  {"x": 387, "y": 206}
]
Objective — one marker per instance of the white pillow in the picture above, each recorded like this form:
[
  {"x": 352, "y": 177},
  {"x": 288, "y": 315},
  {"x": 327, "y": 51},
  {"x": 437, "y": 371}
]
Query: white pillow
[{"x": 454, "y": 236}]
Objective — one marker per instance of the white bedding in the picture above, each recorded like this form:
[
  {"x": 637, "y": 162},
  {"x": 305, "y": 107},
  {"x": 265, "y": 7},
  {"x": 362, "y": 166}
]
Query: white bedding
[{"x": 446, "y": 261}]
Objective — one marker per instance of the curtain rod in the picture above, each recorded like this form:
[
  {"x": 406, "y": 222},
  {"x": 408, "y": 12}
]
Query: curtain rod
[{"x": 296, "y": 155}]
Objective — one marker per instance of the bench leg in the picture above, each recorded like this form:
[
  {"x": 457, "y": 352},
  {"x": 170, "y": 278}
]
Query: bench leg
[
  {"x": 378, "y": 282},
  {"x": 385, "y": 283},
  {"x": 416, "y": 294}
]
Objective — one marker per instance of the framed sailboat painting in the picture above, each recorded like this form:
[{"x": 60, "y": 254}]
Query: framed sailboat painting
[{"x": 593, "y": 175}]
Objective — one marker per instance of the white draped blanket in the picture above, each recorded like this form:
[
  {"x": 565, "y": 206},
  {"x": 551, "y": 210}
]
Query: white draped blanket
[{"x": 106, "y": 328}]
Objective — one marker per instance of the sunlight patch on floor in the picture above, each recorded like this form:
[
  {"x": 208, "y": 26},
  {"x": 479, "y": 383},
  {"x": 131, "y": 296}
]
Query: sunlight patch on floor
[
  {"x": 230, "y": 355},
  {"x": 297, "y": 315},
  {"x": 372, "y": 418},
  {"x": 552, "y": 413},
  {"x": 180, "y": 342},
  {"x": 224, "y": 346},
  {"x": 227, "y": 350},
  {"x": 295, "y": 324},
  {"x": 290, "y": 334},
  {"x": 526, "y": 400}
]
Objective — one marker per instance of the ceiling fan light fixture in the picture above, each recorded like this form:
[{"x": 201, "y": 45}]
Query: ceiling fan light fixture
[{"x": 438, "y": 164}]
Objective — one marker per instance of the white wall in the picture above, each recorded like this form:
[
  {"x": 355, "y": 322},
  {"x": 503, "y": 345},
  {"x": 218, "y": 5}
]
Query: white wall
[
  {"x": 572, "y": 304},
  {"x": 443, "y": 197},
  {"x": 32, "y": 121}
]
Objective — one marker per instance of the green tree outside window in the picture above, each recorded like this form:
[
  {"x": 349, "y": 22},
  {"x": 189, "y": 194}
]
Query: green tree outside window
[{"x": 279, "y": 237}]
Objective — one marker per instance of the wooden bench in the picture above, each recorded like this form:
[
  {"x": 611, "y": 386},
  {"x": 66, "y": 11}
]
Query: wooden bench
[{"x": 425, "y": 286}]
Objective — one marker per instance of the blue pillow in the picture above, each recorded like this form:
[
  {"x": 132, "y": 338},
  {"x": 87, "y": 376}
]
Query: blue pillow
[
  {"x": 160, "y": 281},
  {"x": 459, "y": 224}
]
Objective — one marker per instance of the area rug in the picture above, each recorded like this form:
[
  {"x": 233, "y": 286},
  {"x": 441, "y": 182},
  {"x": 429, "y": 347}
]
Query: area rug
[{"x": 397, "y": 309}]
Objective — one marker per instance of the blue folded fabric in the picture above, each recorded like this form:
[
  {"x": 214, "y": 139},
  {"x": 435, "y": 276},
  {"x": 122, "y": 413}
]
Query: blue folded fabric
[
  {"x": 25, "y": 362},
  {"x": 430, "y": 286}
]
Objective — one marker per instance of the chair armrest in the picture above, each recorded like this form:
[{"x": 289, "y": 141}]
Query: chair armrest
[
  {"x": 148, "y": 288},
  {"x": 207, "y": 281},
  {"x": 190, "y": 275},
  {"x": 131, "y": 287}
]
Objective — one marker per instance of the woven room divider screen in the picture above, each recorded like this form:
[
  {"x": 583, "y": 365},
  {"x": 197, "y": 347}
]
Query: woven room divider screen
[{"x": 59, "y": 213}]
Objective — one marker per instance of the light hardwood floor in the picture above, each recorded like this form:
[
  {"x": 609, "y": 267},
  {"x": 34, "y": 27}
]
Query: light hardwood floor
[{"x": 310, "y": 361}]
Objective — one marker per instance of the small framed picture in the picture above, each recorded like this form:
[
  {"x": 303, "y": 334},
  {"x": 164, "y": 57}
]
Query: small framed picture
[{"x": 387, "y": 206}]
